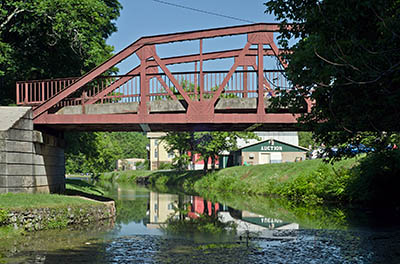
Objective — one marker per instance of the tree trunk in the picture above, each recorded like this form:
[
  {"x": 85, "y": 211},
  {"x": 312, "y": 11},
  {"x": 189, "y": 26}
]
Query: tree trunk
[
  {"x": 193, "y": 160},
  {"x": 205, "y": 165},
  {"x": 213, "y": 163}
]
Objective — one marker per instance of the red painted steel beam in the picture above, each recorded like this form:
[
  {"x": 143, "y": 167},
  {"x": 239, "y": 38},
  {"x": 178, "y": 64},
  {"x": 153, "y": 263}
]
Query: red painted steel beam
[
  {"x": 211, "y": 56},
  {"x": 171, "y": 78},
  {"x": 242, "y": 54},
  {"x": 183, "y": 36},
  {"x": 55, "y": 119},
  {"x": 260, "y": 104}
]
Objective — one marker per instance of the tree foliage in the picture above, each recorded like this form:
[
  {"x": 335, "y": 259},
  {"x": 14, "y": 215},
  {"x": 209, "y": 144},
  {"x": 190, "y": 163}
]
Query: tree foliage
[
  {"x": 42, "y": 39},
  {"x": 98, "y": 151},
  {"x": 183, "y": 142},
  {"x": 306, "y": 139},
  {"x": 346, "y": 58}
]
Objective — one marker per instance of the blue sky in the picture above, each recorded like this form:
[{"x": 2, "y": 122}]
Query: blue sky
[{"x": 146, "y": 17}]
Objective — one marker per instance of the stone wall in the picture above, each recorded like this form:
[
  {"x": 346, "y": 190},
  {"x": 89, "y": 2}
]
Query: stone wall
[
  {"x": 51, "y": 218},
  {"x": 30, "y": 161}
]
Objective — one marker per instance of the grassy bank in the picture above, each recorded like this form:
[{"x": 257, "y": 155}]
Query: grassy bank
[
  {"x": 124, "y": 176},
  {"x": 40, "y": 200},
  {"x": 372, "y": 180},
  {"x": 307, "y": 181}
]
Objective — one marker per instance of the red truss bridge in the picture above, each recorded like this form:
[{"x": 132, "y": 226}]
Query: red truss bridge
[{"x": 154, "y": 97}]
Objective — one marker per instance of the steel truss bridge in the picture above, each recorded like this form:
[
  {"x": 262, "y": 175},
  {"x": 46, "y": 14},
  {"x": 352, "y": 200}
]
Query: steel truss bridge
[{"x": 152, "y": 97}]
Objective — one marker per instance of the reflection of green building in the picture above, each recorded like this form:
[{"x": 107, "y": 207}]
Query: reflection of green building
[
  {"x": 261, "y": 220},
  {"x": 254, "y": 223},
  {"x": 264, "y": 152}
]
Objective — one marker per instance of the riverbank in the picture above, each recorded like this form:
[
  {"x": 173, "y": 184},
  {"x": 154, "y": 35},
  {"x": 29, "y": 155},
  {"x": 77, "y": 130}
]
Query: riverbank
[
  {"x": 310, "y": 181},
  {"x": 367, "y": 180},
  {"x": 33, "y": 212}
]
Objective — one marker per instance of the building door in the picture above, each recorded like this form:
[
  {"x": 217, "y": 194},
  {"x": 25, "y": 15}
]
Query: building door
[{"x": 265, "y": 158}]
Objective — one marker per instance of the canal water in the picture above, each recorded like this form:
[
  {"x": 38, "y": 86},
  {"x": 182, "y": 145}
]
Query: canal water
[{"x": 174, "y": 227}]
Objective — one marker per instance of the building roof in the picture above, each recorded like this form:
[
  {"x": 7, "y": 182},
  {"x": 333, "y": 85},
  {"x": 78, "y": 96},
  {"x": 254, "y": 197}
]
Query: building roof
[{"x": 273, "y": 140}]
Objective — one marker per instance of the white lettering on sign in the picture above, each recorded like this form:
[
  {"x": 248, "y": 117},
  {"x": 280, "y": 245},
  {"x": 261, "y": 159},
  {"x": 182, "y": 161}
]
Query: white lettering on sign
[
  {"x": 270, "y": 220},
  {"x": 272, "y": 148}
]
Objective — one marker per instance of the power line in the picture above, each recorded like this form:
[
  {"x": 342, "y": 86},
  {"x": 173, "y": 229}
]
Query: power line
[{"x": 203, "y": 11}]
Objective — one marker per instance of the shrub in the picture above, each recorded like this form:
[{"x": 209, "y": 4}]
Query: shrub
[
  {"x": 3, "y": 217},
  {"x": 376, "y": 179}
]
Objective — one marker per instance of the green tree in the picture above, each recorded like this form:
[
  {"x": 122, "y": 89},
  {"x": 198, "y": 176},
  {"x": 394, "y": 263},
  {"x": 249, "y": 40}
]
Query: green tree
[
  {"x": 346, "y": 58},
  {"x": 98, "y": 151},
  {"x": 42, "y": 39},
  {"x": 131, "y": 144},
  {"x": 306, "y": 139},
  {"x": 183, "y": 142}
]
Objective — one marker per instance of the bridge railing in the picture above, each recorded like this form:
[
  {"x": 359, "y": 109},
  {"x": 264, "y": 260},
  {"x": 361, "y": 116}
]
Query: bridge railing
[
  {"x": 127, "y": 88},
  {"x": 37, "y": 91}
]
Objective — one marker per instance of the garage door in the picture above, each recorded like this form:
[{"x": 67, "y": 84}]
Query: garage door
[{"x": 265, "y": 158}]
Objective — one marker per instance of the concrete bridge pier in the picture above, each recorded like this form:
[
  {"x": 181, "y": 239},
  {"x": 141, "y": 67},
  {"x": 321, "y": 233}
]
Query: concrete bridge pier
[{"x": 30, "y": 161}]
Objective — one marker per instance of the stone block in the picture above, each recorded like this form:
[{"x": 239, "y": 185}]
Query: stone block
[
  {"x": 19, "y": 158},
  {"x": 3, "y": 135},
  {"x": 28, "y": 115},
  {"x": 48, "y": 160},
  {"x": 3, "y": 169},
  {"x": 37, "y": 159},
  {"x": 38, "y": 148},
  {"x": 24, "y": 124},
  {"x": 19, "y": 146},
  {"x": 41, "y": 170},
  {"x": 33, "y": 181},
  {"x": 3, "y": 181},
  {"x": 20, "y": 135},
  {"x": 37, "y": 136},
  {"x": 21, "y": 190},
  {"x": 41, "y": 189},
  {"x": 3, "y": 157},
  {"x": 27, "y": 181},
  {"x": 2, "y": 144},
  {"x": 19, "y": 169},
  {"x": 15, "y": 181},
  {"x": 45, "y": 150}
]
